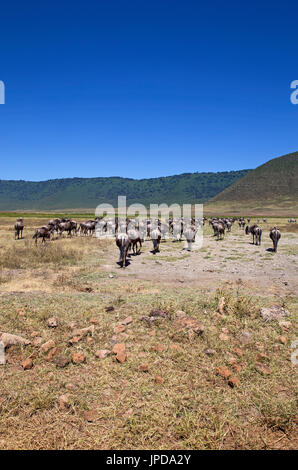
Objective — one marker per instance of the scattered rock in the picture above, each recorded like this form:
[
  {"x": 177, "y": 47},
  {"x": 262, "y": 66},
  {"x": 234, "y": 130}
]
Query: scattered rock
[
  {"x": 224, "y": 337},
  {"x": 119, "y": 329},
  {"x": 78, "y": 358},
  {"x": 159, "y": 313},
  {"x": 27, "y": 364},
  {"x": 282, "y": 339},
  {"x": 158, "y": 348},
  {"x": 263, "y": 369},
  {"x": 286, "y": 325},
  {"x": 94, "y": 321},
  {"x": 111, "y": 276},
  {"x": 121, "y": 356},
  {"x": 37, "y": 341},
  {"x": 245, "y": 337},
  {"x": 34, "y": 334},
  {"x": 51, "y": 354},
  {"x": 62, "y": 361},
  {"x": 44, "y": 348},
  {"x": 52, "y": 322},
  {"x": 89, "y": 416},
  {"x": 158, "y": 379},
  {"x": 102, "y": 353},
  {"x": 261, "y": 357},
  {"x": 72, "y": 325},
  {"x": 175, "y": 347},
  {"x": 84, "y": 331},
  {"x": 180, "y": 314},
  {"x": 143, "y": 368},
  {"x": 70, "y": 386},
  {"x": 110, "y": 308},
  {"x": 189, "y": 323},
  {"x": 273, "y": 313},
  {"x": 13, "y": 340},
  {"x": 209, "y": 352},
  {"x": 118, "y": 347},
  {"x": 234, "y": 382},
  {"x": 75, "y": 340},
  {"x": 237, "y": 367},
  {"x": 64, "y": 402},
  {"x": 223, "y": 372},
  {"x": 127, "y": 321}
]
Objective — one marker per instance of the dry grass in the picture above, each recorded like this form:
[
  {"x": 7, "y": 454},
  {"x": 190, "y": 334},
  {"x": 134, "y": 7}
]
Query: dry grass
[{"x": 193, "y": 408}]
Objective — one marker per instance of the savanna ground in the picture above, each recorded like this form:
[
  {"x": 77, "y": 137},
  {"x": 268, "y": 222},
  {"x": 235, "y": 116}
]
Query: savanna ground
[{"x": 179, "y": 401}]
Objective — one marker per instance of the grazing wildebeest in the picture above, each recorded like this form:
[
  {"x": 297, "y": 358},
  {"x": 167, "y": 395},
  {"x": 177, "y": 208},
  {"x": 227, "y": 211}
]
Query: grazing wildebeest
[
  {"x": 256, "y": 232},
  {"x": 155, "y": 237},
  {"x": 275, "y": 236},
  {"x": 18, "y": 229},
  {"x": 135, "y": 238},
  {"x": 67, "y": 226},
  {"x": 43, "y": 233},
  {"x": 123, "y": 242}
]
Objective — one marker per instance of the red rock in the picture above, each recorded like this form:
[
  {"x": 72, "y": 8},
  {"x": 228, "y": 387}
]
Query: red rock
[
  {"x": 119, "y": 329},
  {"x": 37, "y": 341},
  {"x": 75, "y": 340},
  {"x": 282, "y": 340},
  {"x": 261, "y": 357},
  {"x": 51, "y": 354},
  {"x": 143, "y": 368},
  {"x": 102, "y": 353},
  {"x": 158, "y": 379},
  {"x": 34, "y": 334},
  {"x": 158, "y": 348},
  {"x": 27, "y": 364},
  {"x": 234, "y": 382},
  {"x": 175, "y": 347},
  {"x": 78, "y": 358},
  {"x": 89, "y": 415},
  {"x": 94, "y": 321},
  {"x": 223, "y": 372},
  {"x": 121, "y": 356},
  {"x": 118, "y": 347},
  {"x": 47, "y": 346},
  {"x": 237, "y": 367}
]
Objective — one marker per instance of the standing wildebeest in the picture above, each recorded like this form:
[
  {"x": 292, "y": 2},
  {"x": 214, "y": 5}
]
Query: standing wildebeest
[
  {"x": 256, "y": 232},
  {"x": 43, "y": 232},
  {"x": 123, "y": 242},
  {"x": 135, "y": 238},
  {"x": 190, "y": 235},
  {"x": 155, "y": 237},
  {"x": 18, "y": 227},
  {"x": 275, "y": 236}
]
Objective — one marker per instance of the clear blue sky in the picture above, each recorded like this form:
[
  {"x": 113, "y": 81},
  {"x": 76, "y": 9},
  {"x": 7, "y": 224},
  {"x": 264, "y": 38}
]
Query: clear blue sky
[{"x": 145, "y": 88}]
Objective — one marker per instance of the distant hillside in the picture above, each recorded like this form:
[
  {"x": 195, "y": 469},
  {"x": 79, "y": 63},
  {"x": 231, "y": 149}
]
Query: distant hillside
[
  {"x": 72, "y": 193},
  {"x": 270, "y": 188}
]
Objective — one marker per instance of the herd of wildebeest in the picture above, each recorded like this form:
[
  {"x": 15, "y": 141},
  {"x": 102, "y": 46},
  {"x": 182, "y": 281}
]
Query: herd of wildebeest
[{"x": 130, "y": 233}]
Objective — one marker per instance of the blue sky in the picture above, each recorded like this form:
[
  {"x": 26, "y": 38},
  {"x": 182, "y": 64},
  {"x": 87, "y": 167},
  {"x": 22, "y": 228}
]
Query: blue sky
[{"x": 143, "y": 89}]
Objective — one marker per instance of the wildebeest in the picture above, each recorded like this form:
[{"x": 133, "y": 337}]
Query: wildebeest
[
  {"x": 190, "y": 235},
  {"x": 67, "y": 226},
  {"x": 135, "y": 239},
  {"x": 43, "y": 233},
  {"x": 275, "y": 236},
  {"x": 18, "y": 229},
  {"x": 155, "y": 237},
  {"x": 123, "y": 242},
  {"x": 256, "y": 232}
]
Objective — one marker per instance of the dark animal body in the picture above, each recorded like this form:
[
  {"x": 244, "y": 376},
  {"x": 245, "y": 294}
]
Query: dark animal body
[
  {"x": 256, "y": 232},
  {"x": 275, "y": 236},
  {"x": 123, "y": 242},
  {"x": 18, "y": 229}
]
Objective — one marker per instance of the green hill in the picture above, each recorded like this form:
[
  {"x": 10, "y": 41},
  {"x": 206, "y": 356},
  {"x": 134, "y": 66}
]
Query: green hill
[
  {"x": 87, "y": 193},
  {"x": 270, "y": 188}
]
